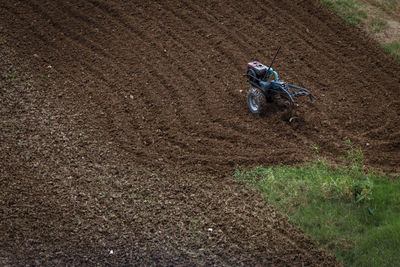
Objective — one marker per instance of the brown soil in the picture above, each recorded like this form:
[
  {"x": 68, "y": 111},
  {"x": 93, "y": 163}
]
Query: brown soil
[{"x": 123, "y": 122}]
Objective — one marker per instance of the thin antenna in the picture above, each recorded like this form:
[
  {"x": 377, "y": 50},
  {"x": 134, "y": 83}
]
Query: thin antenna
[{"x": 270, "y": 66}]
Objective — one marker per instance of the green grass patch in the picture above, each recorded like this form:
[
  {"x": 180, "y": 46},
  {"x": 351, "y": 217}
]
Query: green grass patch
[
  {"x": 349, "y": 10},
  {"x": 354, "y": 214},
  {"x": 392, "y": 48}
]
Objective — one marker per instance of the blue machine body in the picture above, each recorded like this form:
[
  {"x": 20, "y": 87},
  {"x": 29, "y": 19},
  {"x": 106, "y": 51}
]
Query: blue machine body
[{"x": 259, "y": 75}]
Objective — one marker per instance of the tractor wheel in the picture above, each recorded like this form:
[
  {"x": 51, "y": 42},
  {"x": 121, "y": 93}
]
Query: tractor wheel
[{"x": 256, "y": 101}]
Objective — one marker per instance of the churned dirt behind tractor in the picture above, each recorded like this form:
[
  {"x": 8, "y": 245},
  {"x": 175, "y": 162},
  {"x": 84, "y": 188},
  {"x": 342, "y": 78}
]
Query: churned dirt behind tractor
[{"x": 264, "y": 90}]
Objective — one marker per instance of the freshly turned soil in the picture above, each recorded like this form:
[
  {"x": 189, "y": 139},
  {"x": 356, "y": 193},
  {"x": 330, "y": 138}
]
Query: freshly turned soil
[{"x": 123, "y": 122}]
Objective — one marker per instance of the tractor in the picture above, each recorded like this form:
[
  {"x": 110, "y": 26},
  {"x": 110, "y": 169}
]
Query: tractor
[{"x": 264, "y": 90}]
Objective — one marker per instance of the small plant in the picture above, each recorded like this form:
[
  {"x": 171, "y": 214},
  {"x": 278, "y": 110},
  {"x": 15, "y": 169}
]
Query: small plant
[
  {"x": 353, "y": 160},
  {"x": 12, "y": 75},
  {"x": 362, "y": 190},
  {"x": 339, "y": 187},
  {"x": 28, "y": 82},
  {"x": 316, "y": 148}
]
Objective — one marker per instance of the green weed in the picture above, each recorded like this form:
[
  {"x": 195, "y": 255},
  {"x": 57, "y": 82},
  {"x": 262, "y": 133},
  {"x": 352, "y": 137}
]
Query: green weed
[
  {"x": 353, "y": 160},
  {"x": 28, "y": 82},
  {"x": 12, "y": 75},
  {"x": 316, "y": 148}
]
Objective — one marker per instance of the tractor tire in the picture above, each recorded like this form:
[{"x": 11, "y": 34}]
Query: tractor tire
[{"x": 256, "y": 101}]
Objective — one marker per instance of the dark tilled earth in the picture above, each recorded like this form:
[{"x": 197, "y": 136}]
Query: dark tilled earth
[{"x": 123, "y": 122}]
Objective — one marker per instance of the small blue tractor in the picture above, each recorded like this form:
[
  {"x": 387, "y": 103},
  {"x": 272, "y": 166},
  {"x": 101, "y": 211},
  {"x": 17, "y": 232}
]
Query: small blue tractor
[{"x": 264, "y": 90}]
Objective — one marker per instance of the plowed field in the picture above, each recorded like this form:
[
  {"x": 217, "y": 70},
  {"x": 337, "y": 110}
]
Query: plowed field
[{"x": 124, "y": 121}]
